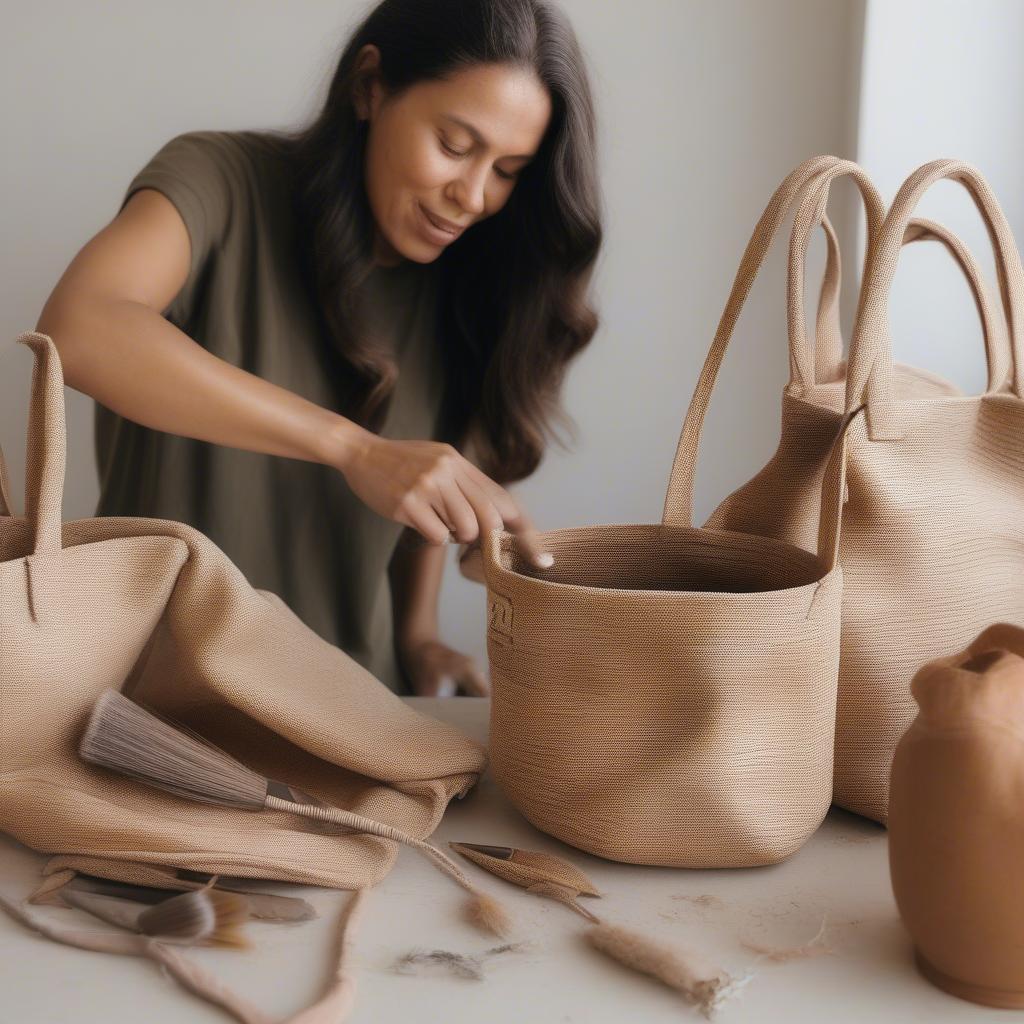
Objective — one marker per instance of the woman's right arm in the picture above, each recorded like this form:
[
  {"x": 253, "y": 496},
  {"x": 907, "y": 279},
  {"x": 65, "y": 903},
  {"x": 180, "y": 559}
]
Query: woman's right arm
[{"x": 105, "y": 318}]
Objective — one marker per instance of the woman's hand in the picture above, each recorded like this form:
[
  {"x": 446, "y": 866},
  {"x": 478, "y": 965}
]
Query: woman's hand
[
  {"x": 431, "y": 487},
  {"x": 435, "y": 670},
  {"x": 471, "y": 563}
]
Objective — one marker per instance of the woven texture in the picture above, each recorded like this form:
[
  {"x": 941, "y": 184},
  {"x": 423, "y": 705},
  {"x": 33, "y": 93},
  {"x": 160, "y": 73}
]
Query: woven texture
[
  {"x": 933, "y": 536},
  {"x": 665, "y": 694},
  {"x": 153, "y": 608}
]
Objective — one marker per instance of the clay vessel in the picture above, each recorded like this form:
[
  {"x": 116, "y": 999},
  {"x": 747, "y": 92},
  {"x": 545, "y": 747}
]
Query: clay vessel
[{"x": 956, "y": 821}]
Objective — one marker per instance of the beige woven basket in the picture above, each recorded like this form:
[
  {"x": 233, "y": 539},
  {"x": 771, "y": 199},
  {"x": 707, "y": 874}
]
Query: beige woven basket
[{"x": 666, "y": 694}]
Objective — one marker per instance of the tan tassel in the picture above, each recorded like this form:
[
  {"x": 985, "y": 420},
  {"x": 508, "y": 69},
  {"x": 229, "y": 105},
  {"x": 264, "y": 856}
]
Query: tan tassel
[
  {"x": 704, "y": 986},
  {"x": 487, "y": 914}
]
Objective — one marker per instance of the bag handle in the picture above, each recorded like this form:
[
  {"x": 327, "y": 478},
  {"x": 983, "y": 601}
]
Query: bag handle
[
  {"x": 6, "y": 505},
  {"x": 46, "y": 447},
  {"x": 678, "y": 508},
  {"x": 869, "y": 378},
  {"x": 815, "y": 197},
  {"x": 829, "y": 343},
  {"x": 833, "y": 495}
]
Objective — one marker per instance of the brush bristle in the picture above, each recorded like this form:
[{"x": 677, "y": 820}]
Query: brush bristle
[
  {"x": 126, "y": 737},
  {"x": 201, "y": 916}
]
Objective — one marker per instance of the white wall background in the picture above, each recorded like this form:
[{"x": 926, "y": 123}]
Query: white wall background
[
  {"x": 944, "y": 78},
  {"x": 703, "y": 109}
]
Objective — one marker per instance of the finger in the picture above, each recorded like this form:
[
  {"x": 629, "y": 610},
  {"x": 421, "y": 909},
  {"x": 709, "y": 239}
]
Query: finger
[
  {"x": 423, "y": 518},
  {"x": 516, "y": 521},
  {"x": 502, "y": 500},
  {"x": 530, "y": 543},
  {"x": 457, "y": 511},
  {"x": 487, "y": 515},
  {"x": 446, "y": 687},
  {"x": 443, "y": 673}
]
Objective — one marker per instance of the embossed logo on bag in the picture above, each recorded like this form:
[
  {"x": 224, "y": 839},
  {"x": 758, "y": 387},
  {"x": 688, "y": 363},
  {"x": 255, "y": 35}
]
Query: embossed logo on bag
[{"x": 499, "y": 618}]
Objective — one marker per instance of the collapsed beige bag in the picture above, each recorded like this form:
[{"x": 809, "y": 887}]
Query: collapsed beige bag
[
  {"x": 664, "y": 694},
  {"x": 155, "y": 609},
  {"x": 933, "y": 538}
]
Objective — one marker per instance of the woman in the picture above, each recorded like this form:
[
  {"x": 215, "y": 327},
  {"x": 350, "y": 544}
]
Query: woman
[{"x": 378, "y": 297}]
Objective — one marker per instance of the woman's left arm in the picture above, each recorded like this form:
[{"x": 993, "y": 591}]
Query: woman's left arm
[{"x": 432, "y": 667}]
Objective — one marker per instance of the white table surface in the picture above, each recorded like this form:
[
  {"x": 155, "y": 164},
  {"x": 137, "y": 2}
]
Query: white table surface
[{"x": 840, "y": 876}]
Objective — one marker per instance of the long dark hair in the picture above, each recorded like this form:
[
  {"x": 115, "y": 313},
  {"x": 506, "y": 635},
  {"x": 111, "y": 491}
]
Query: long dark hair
[{"x": 512, "y": 303}]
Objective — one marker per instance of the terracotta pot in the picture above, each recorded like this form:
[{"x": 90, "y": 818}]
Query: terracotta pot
[{"x": 956, "y": 821}]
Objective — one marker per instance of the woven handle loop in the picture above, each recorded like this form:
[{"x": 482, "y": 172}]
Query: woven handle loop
[
  {"x": 46, "y": 448},
  {"x": 828, "y": 347},
  {"x": 678, "y": 508},
  {"x": 869, "y": 379}
]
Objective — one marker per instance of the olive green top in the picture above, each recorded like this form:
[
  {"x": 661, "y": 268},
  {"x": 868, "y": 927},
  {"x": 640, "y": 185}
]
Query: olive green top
[{"x": 291, "y": 526}]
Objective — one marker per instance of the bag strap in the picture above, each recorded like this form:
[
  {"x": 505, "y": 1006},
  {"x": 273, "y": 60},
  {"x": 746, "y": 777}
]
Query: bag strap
[
  {"x": 46, "y": 447},
  {"x": 829, "y": 340},
  {"x": 869, "y": 378},
  {"x": 6, "y": 505},
  {"x": 833, "y": 495},
  {"x": 810, "y": 213},
  {"x": 828, "y": 346},
  {"x": 678, "y": 508}
]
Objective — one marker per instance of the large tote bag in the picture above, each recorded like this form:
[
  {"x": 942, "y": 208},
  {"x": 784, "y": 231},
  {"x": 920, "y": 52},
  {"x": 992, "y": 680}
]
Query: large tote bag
[
  {"x": 665, "y": 694},
  {"x": 933, "y": 540},
  {"x": 155, "y": 609}
]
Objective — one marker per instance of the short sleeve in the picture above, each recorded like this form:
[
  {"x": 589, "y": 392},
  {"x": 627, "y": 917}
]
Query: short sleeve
[{"x": 198, "y": 172}]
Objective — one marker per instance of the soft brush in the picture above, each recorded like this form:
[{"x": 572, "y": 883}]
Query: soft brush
[{"x": 127, "y": 738}]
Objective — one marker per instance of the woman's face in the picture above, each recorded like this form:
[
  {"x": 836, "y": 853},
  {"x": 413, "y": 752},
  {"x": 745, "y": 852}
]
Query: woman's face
[{"x": 445, "y": 154}]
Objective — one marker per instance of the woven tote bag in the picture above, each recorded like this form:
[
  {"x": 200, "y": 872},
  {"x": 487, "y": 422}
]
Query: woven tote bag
[
  {"x": 933, "y": 539},
  {"x": 665, "y": 694},
  {"x": 154, "y": 609}
]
